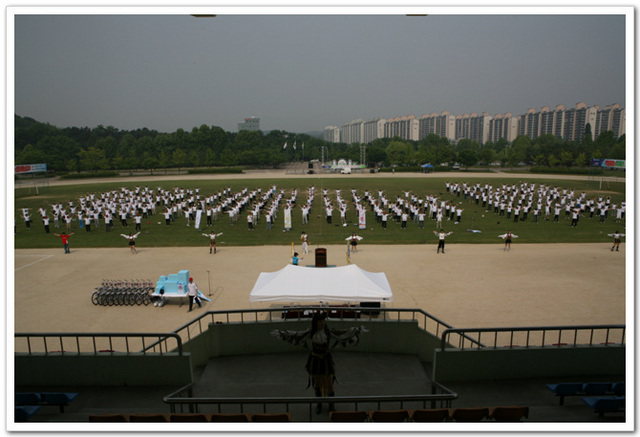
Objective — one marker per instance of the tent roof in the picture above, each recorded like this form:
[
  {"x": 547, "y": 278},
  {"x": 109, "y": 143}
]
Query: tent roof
[
  {"x": 323, "y": 284},
  {"x": 427, "y": 165}
]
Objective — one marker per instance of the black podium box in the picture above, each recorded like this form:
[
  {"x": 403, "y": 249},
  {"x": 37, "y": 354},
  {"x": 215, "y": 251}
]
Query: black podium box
[{"x": 321, "y": 257}]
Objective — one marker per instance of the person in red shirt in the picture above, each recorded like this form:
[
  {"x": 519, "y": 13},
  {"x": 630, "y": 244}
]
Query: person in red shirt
[{"x": 65, "y": 241}]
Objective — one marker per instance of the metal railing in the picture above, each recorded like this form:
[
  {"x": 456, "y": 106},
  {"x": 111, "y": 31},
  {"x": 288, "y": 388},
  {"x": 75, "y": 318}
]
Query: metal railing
[
  {"x": 97, "y": 343},
  {"x": 545, "y": 336},
  {"x": 182, "y": 399},
  {"x": 426, "y": 321}
]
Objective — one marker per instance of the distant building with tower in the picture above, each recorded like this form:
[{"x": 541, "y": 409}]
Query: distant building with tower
[{"x": 251, "y": 123}]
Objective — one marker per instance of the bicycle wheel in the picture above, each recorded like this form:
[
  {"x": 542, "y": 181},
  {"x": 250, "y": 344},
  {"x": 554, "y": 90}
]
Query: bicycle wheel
[
  {"x": 146, "y": 300},
  {"x": 94, "y": 298}
]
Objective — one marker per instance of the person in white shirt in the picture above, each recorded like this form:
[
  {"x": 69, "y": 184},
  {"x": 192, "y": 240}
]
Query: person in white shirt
[
  {"x": 441, "y": 236},
  {"x": 132, "y": 241},
  {"x": 212, "y": 241},
  {"x": 192, "y": 293},
  {"x": 250, "y": 220},
  {"x": 353, "y": 241},
  {"x": 507, "y": 237},
  {"x": 616, "y": 240},
  {"x": 304, "y": 238}
]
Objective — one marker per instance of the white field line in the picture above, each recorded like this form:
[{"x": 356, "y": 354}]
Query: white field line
[{"x": 35, "y": 262}]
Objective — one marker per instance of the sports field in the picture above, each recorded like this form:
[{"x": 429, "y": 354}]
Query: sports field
[{"x": 472, "y": 285}]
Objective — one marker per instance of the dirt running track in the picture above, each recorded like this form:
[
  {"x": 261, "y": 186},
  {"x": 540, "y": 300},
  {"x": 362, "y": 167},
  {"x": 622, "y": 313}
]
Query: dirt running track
[{"x": 469, "y": 286}]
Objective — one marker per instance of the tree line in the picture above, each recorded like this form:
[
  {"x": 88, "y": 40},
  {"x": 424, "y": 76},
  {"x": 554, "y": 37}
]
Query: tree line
[{"x": 74, "y": 149}]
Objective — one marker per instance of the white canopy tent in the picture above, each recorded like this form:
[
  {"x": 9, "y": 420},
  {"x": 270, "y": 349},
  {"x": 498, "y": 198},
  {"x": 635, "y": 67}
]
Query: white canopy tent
[{"x": 323, "y": 284}]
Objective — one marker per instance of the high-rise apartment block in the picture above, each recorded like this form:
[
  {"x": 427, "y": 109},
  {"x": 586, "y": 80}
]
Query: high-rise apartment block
[
  {"x": 373, "y": 129},
  {"x": 352, "y": 132},
  {"x": 503, "y": 127},
  {"x": 567, "y": 124},
  {"x": 251, "y": 123},
  {"x": 404, "y": 127},
  {"x": 332, "y": 134},
  {"x": 612, "y": 118},
  {"x": 443, "y": 125}
]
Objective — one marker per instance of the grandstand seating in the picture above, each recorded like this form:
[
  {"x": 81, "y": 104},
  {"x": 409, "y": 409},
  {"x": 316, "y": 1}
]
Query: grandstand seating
[
  {"x": 564, "y": 389},
  {"x": 430, "y": 415},
  {"x": 60, "y": 400},
  {"x": 610, "y": 404},
  {"x": 509, "y": 414},
  {"x": 348, "y": 416}
]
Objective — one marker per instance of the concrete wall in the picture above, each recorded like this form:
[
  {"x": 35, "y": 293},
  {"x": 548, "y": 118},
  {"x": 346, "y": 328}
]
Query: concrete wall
[
  {"x": 523, "y": 363},
  {"x": 254, "y": 338},
  {"x": 102, "y": 370},
  {"x": 403, "y": 337}
]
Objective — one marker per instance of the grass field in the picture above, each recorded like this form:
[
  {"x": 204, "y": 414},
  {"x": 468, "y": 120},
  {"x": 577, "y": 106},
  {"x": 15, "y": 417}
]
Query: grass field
[{"x": 320, "y": 233}]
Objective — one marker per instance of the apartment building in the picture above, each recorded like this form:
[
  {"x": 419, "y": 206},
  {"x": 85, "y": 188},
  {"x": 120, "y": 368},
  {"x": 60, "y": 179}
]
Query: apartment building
[
  {"x": 331, "y": 134},
  {"x": 443, "y": 125},
  {"x": 503, "y": 127},
  {"x": 612, "y": 118},
  {"x": 567, "y": 124},
  {"x": 406, "y": 127},
  {"x": 373, "y": 129},
  {"x": 352, "y": 132},
  {"x": 473, "y": 127},
  {"x": 529, "y": 124}
]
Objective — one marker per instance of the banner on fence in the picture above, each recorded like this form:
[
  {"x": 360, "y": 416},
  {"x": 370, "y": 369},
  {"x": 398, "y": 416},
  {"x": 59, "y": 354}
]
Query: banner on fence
[
  {"x": 30, "y": 168},
  {"x": 610, "y": 163},
  {"x": 613, "y": 163}
]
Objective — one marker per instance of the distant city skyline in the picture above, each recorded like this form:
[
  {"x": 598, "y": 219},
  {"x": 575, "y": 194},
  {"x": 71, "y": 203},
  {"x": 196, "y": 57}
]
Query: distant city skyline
[
  {"x": 301, "y": 73},
  {"x": 562, "y": 121}
]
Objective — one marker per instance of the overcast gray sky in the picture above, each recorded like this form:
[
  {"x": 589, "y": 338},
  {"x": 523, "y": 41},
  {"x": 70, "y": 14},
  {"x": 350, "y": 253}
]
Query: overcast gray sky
[{"x": 300, "y": 73}]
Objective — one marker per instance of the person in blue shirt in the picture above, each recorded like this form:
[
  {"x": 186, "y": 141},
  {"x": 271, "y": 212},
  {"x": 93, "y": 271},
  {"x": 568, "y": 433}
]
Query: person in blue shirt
[{"x": 294, "y": 259}]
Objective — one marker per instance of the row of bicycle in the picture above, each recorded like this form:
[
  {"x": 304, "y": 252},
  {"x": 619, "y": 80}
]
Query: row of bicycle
[
  {"x": 125, "y": 284},
  {"x": 123, "y": 292}
]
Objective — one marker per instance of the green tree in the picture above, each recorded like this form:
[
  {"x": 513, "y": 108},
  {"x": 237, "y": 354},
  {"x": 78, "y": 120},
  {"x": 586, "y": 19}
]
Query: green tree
[
  {"x": 72, "y": 165},
  {"x": 130, "y": 161},
  {"x": 209, "y": 157},
  {"x": 582, "y": 160},
  {"x": 587, "y": 143},
  {"x": 117, "y": 163},
  {"x": 566, "y": 158},
  {"x": 618, "y": 151},
  {"x": 444, "y": 154},
  {"x": 542, "y": 159},
  {"x": 29, "y": 155},
  {"x": 164, "y": 160},
  {"x": 228, "y": 158},
  {"x": 487, "y": 155},
  {"x": 468, "y": 157},
  {"x": 194, "y": 159},
  {"x": 604, "y": 143},
  {"x": 399, "y": 153},
  {"x": 248, "y": 140},
  {"x": 425, "y": 154},
  {"x": 179, "y": 158},
  {"x": 149, "y": 161},
  {"x": 93, "y": 159},
  {"x": 58, "y": 149}
]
